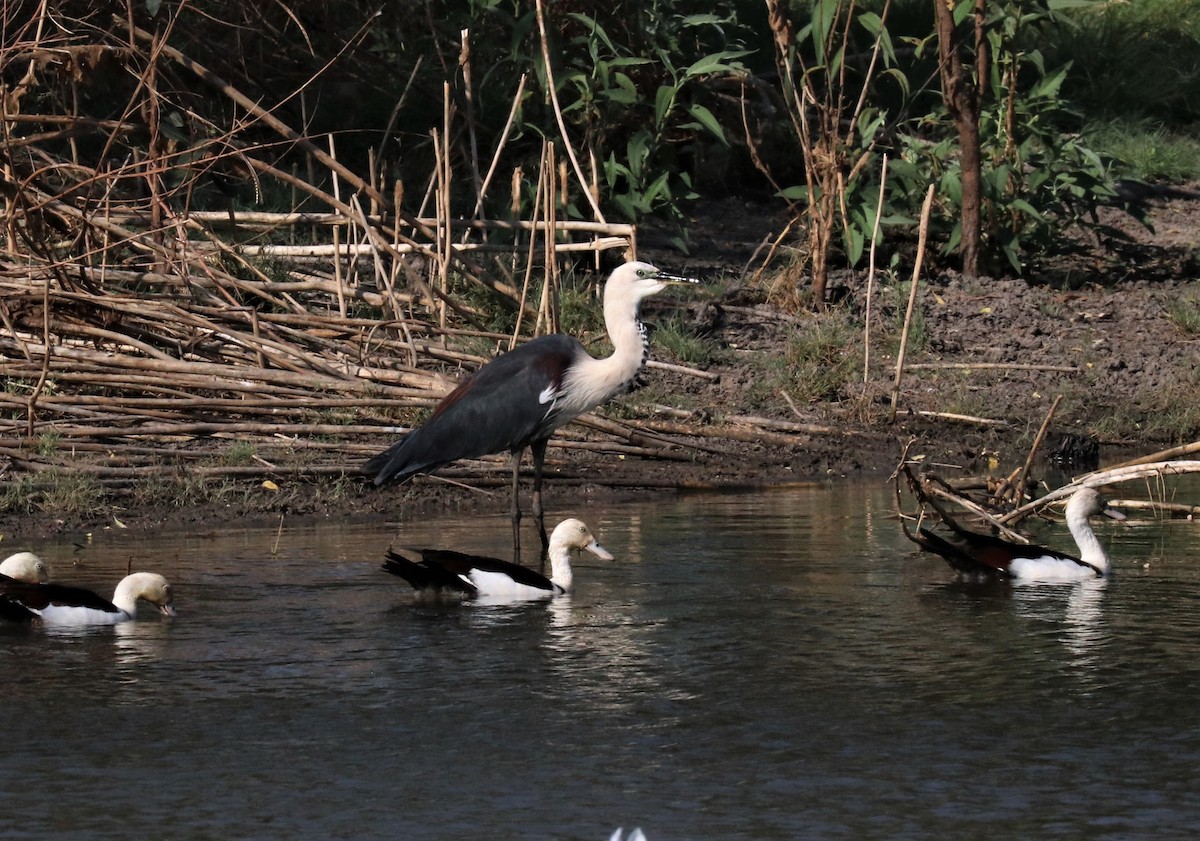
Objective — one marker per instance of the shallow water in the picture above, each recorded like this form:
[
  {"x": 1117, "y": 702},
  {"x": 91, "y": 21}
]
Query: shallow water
[{"x": 776, "y": 666}]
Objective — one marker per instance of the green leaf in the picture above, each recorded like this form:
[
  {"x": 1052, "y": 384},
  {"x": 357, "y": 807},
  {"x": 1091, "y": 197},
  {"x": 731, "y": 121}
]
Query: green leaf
[
  {"x": 824, "y": 14},
  {"x": 623, "y": 92},
  {"x": 723, "y": 62},
  {"x": 872, "y": 22},
  {"x": 705, "y": 119},
  {"x": 594, "y": 28},
  {"x": 1060, "y": 5},
  {"x": 664, "y": 101},
  {"x": 1049, "y": 86},
  {"x": 854, "y": 241},
  {"x": 637, "y": 152}
]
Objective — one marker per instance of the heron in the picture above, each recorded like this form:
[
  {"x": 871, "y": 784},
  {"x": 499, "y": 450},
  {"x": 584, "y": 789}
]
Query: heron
[
  {"x": 987, "y": 556},
  {"x": 520, "y": 398}
]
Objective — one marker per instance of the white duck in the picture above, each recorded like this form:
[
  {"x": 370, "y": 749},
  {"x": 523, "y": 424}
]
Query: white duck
[
  {"x": 978, "y": 554},
  {"x": 25, "y": 566},
  {"x": 441, "y": 571},
  {"x": 58, "y": 604}
]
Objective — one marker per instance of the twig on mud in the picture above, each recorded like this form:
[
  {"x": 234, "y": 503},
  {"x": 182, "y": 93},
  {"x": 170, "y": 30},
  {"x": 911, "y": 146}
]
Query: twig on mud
[
  {"x": 990, "y": 366},
  {"x": 953, "y": 416}
]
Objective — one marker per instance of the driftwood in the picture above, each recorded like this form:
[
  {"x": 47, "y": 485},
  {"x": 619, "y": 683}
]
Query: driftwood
[{"x": 999, "y": 510}]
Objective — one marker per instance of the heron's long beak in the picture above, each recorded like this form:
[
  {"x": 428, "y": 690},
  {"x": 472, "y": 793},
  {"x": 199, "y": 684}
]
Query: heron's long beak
[
  {"x": 1113, "y": 512},
  {"x": 599, "y": 551},
  {"x": 674, "y": 279},
  {"x": 166, "y": 610}
]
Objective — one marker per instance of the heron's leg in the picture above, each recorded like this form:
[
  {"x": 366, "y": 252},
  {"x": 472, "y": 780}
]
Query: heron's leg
[
  {"x": 538, "y": 448},
  {"x": 516, "y": 505}
]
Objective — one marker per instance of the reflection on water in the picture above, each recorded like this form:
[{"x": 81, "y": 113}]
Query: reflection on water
[{"x": 774, "y": 666}]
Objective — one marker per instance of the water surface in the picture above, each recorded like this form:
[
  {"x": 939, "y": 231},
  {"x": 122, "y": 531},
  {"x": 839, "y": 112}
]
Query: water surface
[{"x": 777, "y": 666}]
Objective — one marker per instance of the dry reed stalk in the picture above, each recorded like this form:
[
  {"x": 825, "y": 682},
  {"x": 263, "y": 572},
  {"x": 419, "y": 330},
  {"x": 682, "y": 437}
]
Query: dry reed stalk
[
  {"x": 871, "y": 272},
  {"x": 551, "y": 88},
  {"x": 922, "y": 237}
]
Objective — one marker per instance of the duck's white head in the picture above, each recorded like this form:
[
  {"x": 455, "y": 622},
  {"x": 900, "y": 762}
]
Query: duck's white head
[
  {"x": 1086, "y": 502},
  {"x": 574, "y": 534},
  {"x": 637, "y": 280},
  {"x": 25, "y": 566},
  {"x": 145, "y": 586}
]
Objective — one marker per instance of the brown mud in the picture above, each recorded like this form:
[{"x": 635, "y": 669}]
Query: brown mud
[{"x": 1097, "y": 332}]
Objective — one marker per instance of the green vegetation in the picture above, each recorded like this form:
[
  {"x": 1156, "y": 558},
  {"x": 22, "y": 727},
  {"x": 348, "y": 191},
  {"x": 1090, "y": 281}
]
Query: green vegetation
[
  {"x": 684, "y": 343},
  {"x": 47, "y": 443},
  {"x": 652, "y": 104},
  {"x": 62, "y": 492},
  {"x": 238, "y": 454},
  {"x": 1148, "y": 151},
  {"x": 1184, "y": 313},
  {"x": 823, "y": 357}
]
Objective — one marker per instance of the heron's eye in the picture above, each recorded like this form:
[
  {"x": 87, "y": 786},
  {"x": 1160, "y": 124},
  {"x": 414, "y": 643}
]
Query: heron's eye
[{"x": 642, "y": 272}]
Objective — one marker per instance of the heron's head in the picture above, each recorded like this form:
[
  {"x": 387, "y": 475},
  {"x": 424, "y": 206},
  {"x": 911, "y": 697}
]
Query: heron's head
[{"x": 640, "y": 280}]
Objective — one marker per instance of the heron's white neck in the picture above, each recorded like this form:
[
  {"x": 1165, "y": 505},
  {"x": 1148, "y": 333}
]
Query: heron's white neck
[
  {"x": 1090, "y": 550},
  {"x": 593, "y": 381}
]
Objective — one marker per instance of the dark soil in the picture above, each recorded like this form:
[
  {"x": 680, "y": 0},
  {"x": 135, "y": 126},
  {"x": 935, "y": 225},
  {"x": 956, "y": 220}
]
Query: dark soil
[{"x": 1099, "y": 326}]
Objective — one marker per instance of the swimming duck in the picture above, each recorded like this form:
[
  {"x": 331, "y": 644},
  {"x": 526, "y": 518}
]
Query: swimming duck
[
  {"x": 984, "y": 555},
  {"x": 25, "y": 566},
  {"x": 469, "y": 576},
  {"x": 59, "y": 604}
]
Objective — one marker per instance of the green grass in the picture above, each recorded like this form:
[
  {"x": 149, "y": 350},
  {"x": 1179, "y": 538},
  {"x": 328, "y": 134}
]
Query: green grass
[
  {"x": 1184, "y": 314},
  {"x": 60, "y": 492},
  {"x": 1148, "y": 151},
  {"x": 822, "y": 357},
  {"x": 239, "y": 454},
  {"x": 684, "y": 343},
  {"x": 1137, "y": 59},
  {"x": 1135, "y": 79},
  {"x": 47, "y": 443}
]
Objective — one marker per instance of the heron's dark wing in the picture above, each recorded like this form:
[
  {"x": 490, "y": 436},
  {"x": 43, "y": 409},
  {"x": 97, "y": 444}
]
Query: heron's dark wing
[{"x": 501, "y": 407}]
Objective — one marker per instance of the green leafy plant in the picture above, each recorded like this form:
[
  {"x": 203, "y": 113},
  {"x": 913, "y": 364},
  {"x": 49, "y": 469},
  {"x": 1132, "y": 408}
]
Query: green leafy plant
[
  {"x": 639, "y": 102},
  {"x": 1039, "y": 177},
  {"x": 837, "y": 129}
]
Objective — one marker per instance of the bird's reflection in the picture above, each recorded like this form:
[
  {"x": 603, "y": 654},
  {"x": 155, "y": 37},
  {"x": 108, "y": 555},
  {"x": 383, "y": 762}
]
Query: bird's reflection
[
  {"x": 138, "y": 643},
  {"x": 1084, "y": 629}
]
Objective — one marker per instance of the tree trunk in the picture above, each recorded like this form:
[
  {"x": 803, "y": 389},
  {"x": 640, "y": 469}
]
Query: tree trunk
[{"x": 963, "y": 95}]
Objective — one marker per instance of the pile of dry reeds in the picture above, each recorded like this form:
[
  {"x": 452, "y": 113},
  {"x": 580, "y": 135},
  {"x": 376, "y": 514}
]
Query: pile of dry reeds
[{"x": 131, "y": 324}]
